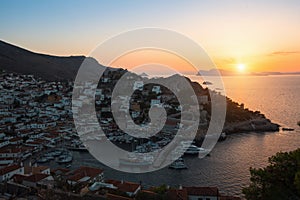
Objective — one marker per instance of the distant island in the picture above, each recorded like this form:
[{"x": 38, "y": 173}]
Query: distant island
[{"x": 222, "y": 72}]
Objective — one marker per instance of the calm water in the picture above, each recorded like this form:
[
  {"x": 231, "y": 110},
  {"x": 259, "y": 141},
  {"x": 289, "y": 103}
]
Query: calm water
[{"x": 228, "y": 167}]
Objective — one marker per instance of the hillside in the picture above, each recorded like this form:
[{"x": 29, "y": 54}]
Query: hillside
[{"x": 51, "y": 68}]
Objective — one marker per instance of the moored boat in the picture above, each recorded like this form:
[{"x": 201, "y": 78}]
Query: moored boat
[
  {"x": 194, "y": 150},
  {"x": 77, "y": 148},
  {"x": 66, "y": 157},
  {"x": 288, "y": 129},
  {"x": 178, "y": 164}
]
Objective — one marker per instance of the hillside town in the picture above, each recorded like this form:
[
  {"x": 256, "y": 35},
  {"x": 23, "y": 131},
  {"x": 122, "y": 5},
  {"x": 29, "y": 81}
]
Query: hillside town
[{"x": 36, "y": 126}]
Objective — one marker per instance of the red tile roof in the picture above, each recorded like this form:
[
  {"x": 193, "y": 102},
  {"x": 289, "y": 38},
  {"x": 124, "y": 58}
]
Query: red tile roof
[
  {"x": 35, "y": 177},
  {"x": 35, "y": 170},
  {"x": 16, "y": 139},
  {"x": 60, "y": 171},
  {"x": 18, "y": 178},
  {"x": 177, "y": 194},
  {"x": 116, "y": 197},
  {"x": 9, "y": 168},
  {"x": 124, "y": 186},
  {"x": 148, "y": 192},
  {"x": 84, "y": 172},
  {"x": 11, "y": 149}
]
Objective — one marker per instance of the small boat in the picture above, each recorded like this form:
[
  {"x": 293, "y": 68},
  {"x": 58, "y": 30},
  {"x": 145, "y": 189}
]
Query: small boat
[
  {"x": 68, "y": 166},
  {"x": 207, "y": 83},
  {"x": 194, "y": 150},
  {"x": 66, "y": 157},
  {"x": 77, "y": 147},
  {"x": 222, "y": 137},
  {"x": 288, "y": 129},
  {"x": 178, "y": 164}
]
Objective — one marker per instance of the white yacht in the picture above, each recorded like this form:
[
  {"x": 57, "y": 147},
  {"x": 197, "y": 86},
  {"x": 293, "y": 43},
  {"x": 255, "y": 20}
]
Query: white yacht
[
  {"x": 178, "y": 164},
  {"x": 194, "y": 150}
]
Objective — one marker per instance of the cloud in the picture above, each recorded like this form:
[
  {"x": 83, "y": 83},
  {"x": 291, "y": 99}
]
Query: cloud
[{"x": 283, "y": 53}]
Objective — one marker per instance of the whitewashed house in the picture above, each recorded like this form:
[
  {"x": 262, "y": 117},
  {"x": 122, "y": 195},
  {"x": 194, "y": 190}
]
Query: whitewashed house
[
  {"x": 138, "y": 85},
  {"x": 156, "y": 89},
  {"x": 7, "y": 173}
]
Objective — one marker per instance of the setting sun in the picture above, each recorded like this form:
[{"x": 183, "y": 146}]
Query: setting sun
[{"x": 241, "y": 67}]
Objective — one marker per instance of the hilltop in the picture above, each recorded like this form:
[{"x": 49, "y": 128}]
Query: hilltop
[{"x": 48, "y": 67}]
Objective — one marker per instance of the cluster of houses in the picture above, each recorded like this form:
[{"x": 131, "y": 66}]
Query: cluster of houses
[
  {"x": 135, "y": 107},
  {"x": 36, "y": 115},
  {"x": 89, "y": 181}
]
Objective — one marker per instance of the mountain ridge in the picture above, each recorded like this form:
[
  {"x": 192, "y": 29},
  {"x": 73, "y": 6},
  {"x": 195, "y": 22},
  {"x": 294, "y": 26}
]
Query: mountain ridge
[{"x": 48, "y": 67}]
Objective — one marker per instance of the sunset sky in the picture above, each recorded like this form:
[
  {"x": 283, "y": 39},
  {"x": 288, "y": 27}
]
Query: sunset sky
[{"x": 253, "y": 36}]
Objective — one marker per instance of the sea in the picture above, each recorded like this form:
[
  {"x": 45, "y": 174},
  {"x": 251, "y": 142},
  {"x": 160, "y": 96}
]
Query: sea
[{"x": 227, "y": 167}]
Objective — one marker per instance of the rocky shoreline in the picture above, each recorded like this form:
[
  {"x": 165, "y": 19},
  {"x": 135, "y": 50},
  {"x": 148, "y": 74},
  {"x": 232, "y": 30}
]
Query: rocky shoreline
[{"x": 253, "y": 125}]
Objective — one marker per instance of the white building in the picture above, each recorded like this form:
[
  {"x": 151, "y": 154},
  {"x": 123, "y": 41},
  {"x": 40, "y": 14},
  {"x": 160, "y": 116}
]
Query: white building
[
  {"x": 156, "y": 89},
  {"x": 7, "y": 173},
  {"x": 4, "y": 143},
  {"x": 138, "y": 85},
  {"x": 155, "y": 102}
]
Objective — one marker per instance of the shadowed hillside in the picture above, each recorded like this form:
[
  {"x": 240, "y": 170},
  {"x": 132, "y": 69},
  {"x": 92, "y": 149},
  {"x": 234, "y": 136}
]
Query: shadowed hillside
[{"x": 51, "y": 68}]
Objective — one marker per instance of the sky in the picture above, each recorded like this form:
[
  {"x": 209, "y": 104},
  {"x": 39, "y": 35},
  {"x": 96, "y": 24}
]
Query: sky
[{"x": 261, "y": 35}]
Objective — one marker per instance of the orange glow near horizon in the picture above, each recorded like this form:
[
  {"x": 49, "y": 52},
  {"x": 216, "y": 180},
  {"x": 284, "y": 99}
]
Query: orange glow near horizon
[
  {"x": 269, "y": 62},
  {"x": 142, "y": 57},
  {"x": 283, "y": 61}
]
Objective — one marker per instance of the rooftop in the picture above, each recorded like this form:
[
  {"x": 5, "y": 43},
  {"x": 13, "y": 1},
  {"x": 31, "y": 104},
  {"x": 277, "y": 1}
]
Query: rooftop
[
  {"x": 9, "y": 168},
  {"x": 124, "y": 186}
]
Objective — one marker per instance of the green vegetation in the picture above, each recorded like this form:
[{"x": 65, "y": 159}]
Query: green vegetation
[
  {"x": 162, "y": 189},
  {"x": 237, "y": 113},
  {"x": 279, "y": 180}
]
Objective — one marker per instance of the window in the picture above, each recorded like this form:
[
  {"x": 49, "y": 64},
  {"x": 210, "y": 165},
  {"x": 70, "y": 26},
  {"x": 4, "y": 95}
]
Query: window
[
  {"x": 207, "y": 198},
  {"x": 200, "y": 199}
]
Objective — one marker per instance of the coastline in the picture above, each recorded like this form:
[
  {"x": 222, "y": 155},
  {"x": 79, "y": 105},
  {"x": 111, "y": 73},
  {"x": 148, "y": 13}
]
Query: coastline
[{"x": 253, "y": 125}]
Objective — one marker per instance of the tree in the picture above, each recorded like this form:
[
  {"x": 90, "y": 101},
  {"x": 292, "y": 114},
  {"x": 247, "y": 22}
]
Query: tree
[{"x": 279, "y": 180}]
